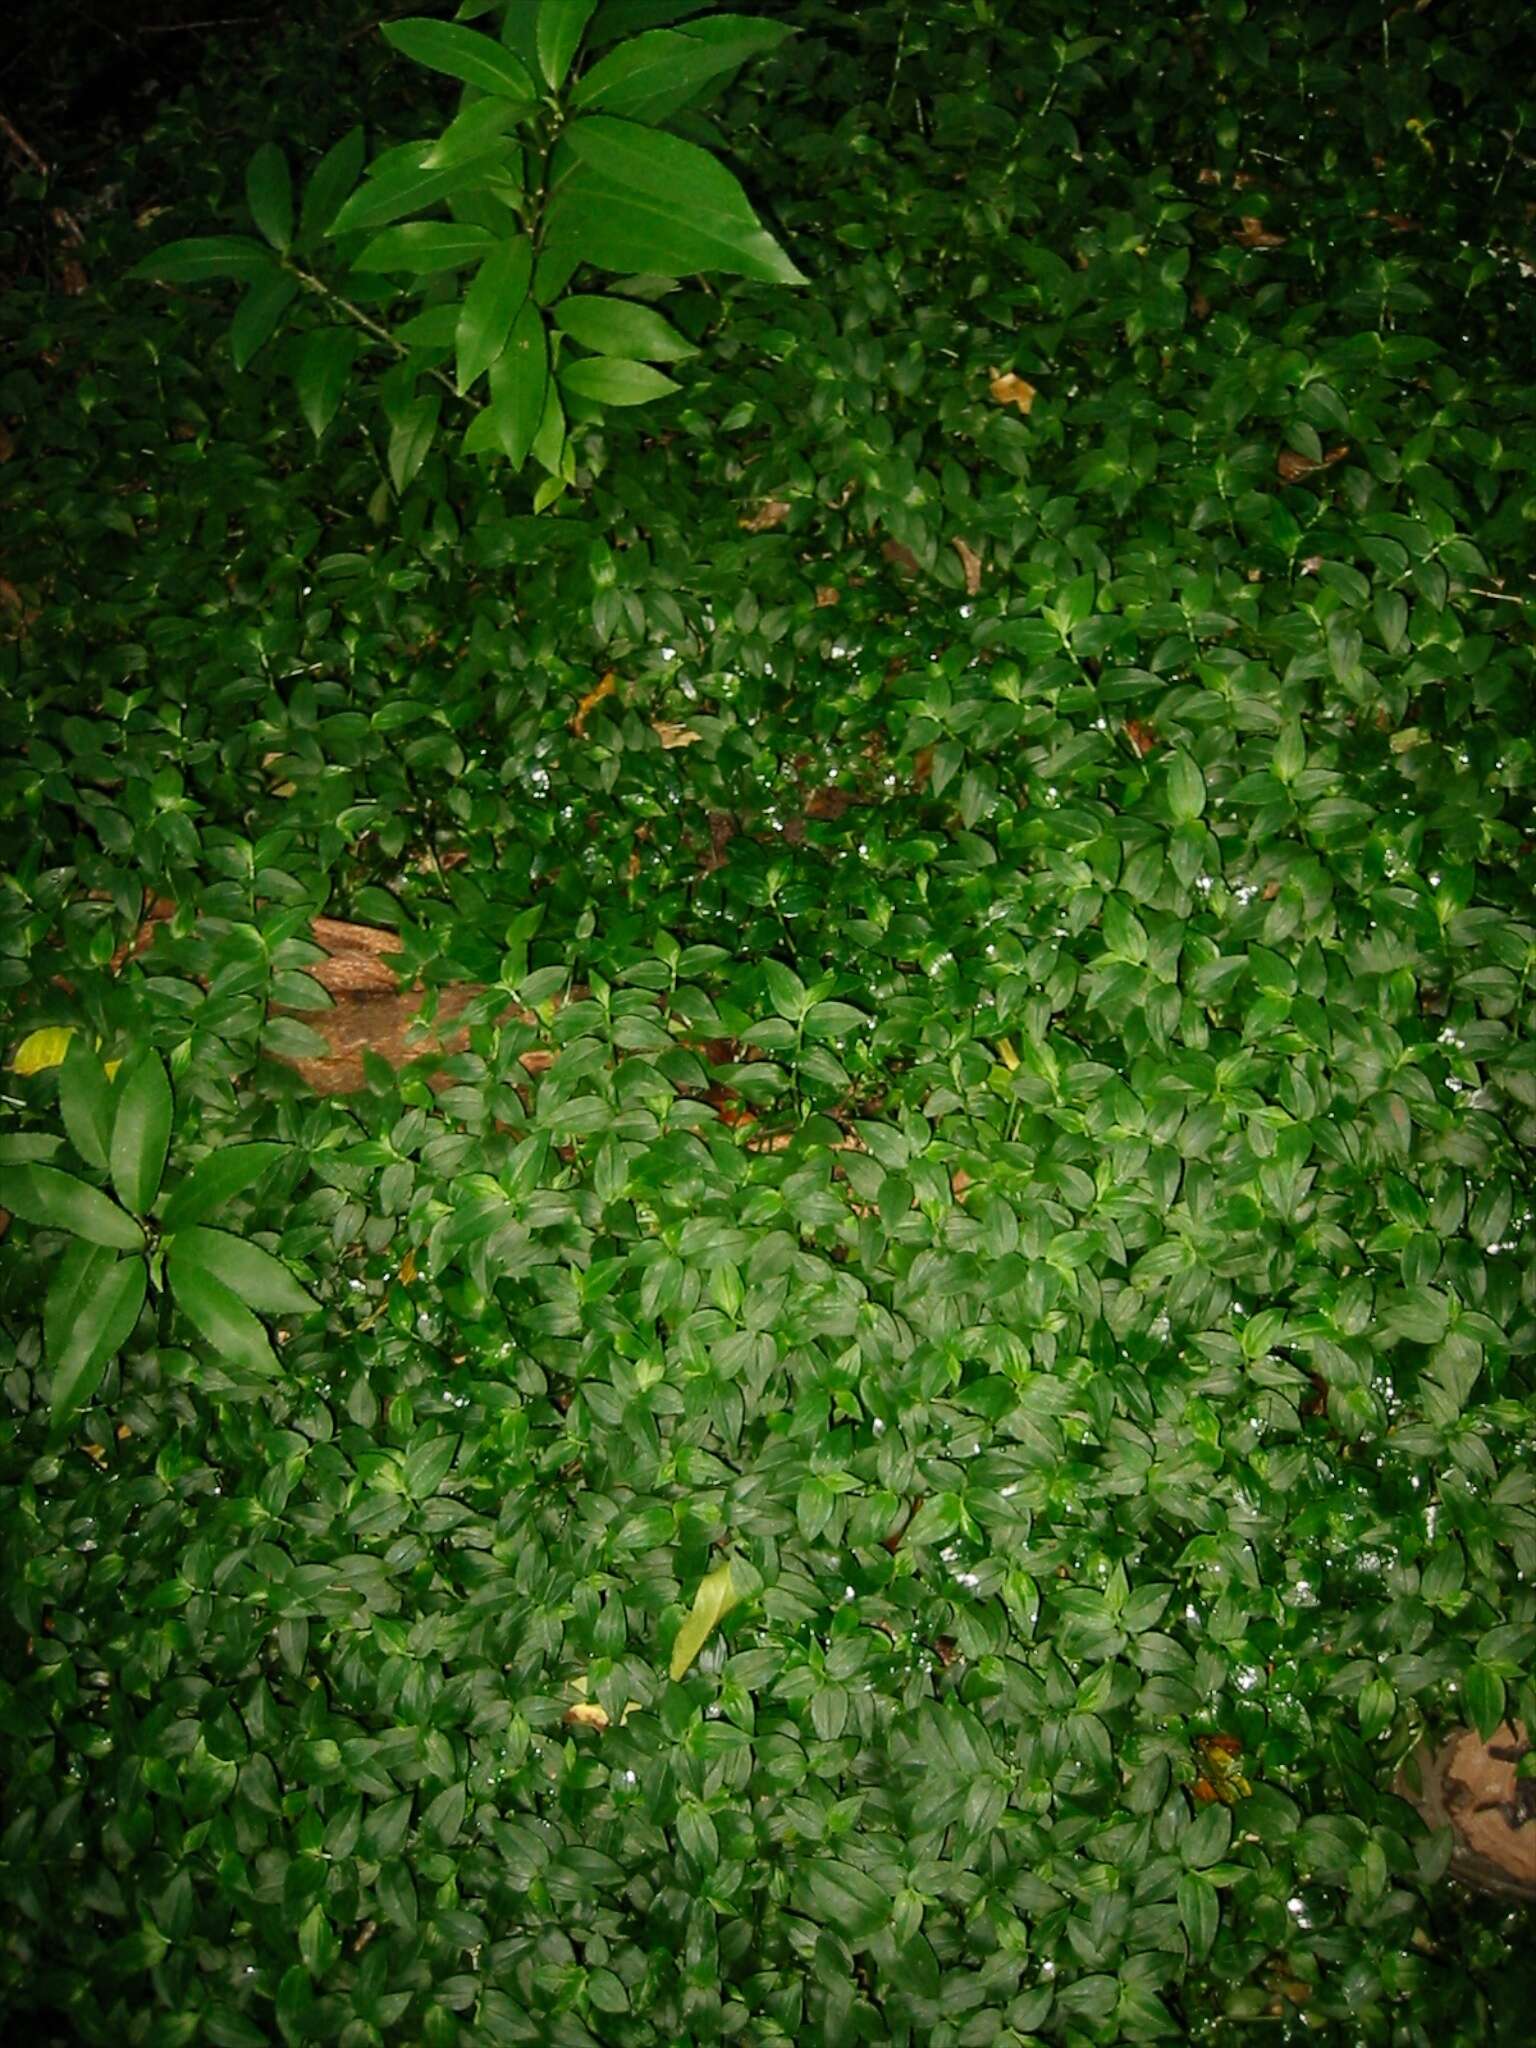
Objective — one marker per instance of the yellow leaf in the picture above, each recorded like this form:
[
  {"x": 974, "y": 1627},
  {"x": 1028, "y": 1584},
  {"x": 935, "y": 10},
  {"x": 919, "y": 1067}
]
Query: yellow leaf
[
  {"x": 1007, "y": 1055},
  {"x": 715, "y": 1598},
  {"x": 110, "y": 1068},
  {"x": 43, "y": 1049}
]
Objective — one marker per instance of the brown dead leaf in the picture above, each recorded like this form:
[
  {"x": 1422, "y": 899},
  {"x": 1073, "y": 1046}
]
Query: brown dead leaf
[
  {"x": 827, "y": 593},
  {"x": 590, "y": 702},
  {"x": 7, "y": 445},
  {"x": 1311, "y": 564},
  {"x": 1200, "y": 306},
  {"x": 672, "y": 735},
  {"x": 1208, "y": 176},
  {"x": 771, "y": 513},
  {"x": 1142, "y": 737},
  {"x": 1291, "y": 468},
  {"x": 922, "y": 767},
  {"x": 72, "y": 278},
  {"x": 900, "y": 556},
  {"x": 1010, "y": 389},
  {"x": 1251, "y": 233},
  {"x": 408, "y": 1269},
  {"x": 970, "y": 562}
]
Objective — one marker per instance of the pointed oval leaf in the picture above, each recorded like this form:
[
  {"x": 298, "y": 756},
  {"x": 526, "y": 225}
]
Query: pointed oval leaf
[
  {"x": 491, "y": 305},
  {"x": 220, "y": 1316},
  {"x": 562, "y": 23},
  {"x": 841, "y": 1896},
  {"x": 321, "y": 377},
  {"x": 204, "y": 257},
  {"x": 519, "y": 382},
  {"x": 612, "y": 381},
  {"x": 215, "y": 1181},
  {"x": 42, "y": 1194},
  {"x": 269, "y": 194},
  {"x": 715, "y": 1598},
  {"x": 618, "y": 327},
  {"x": 413, "y": 186},
  {"x": 631, "y": 199},
  {"x": 92, "y": 1307},
  {"x": 141, "y": 1132},
  {"x": 461, "y": 53},
  {"x": 85, "y": 1103},
  {"x": 472, "y": 133},
  {"x": 334, "y": 176},
  {"x": 40, "y": 1050},
  {"x": 411, "y": 437},
  {"x": 648, "y": 76},
  {"x": 422, "y": 247},
  {"x": 260, "y": 1281},
  {"x": 258, "y": 313}
]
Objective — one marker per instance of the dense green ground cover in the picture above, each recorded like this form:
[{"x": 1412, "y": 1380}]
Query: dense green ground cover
[{"x": 1094, "y": 833}]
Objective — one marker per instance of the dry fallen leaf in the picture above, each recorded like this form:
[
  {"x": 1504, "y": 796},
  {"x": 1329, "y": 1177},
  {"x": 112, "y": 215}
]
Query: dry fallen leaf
[
  {"x": 1008, "y": 389},
  {"x": 72, "y": 278},
  {"x": 771, "y": 513},
  {"x": 585, "y": 1714},
  {"x": 1251, "y": 233},
  {"x": 673, "y": 735},
  {"x": 1142, "y": 737},
  {"x": 1291, "y": 467},
  {"x": 826, "y": 593},
  {"x": 590, "y": 702},
  {"x": 901, "y": 556},
  {"x": 970, "y": 562}
]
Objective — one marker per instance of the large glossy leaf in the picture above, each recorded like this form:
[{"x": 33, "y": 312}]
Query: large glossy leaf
[
  {"x": 333, "y": 178},
  {"x": 85, "y": 1103},
  {"x": 612, "y": 381},
  {"x": 423, "y": 247},
  {"x": 656, "y": 71},
  {"x": 619, "y": 327},
  {"x": 42, "y": 1194},
  {"x": 269, "y": 194},
  {"x": 261, "y": 1281},
  {"x": 491, "y": 305},
  {"x": 630, "y": 199},
  {"x": 141, "y": 1132},
  {"x": 219, "y": 1315},
  {"x": 413, "y": 186},
  {"x": 321, "y": 377},
  {"x": 461, "y": 53},
  {"x": 215, "y": 1181},
  {"x": 92, "y": 1306},
  {"x": 561, "y": 24},
  {"x": 519, "y": 381},
  {"x": 257, "y": 315},
  {"x": 474, "y": 133},
  {"x": 203, "y": 258}
]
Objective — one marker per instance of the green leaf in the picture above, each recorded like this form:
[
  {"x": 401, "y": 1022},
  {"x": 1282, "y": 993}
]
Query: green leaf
[
  {"x": 715, "y": 1598},
  {"x": 92, "y": 1306},
  {"x": 491, "y": 305},
  {"x": 473, "y": 134},
  {"x": 321, "y": 377},
  {"x": 786, "y": 991},
  {"x": 203, "y": 258},
  {"x": 260, "y": 1281},
  {"x": 611, "y": 381},
  {"x": 461, "y": 53},
  {"x": 1186, "y": 788},
  {"x": 85, "y": 1103},
  {"x": 519, "y": 380},
  {"x": 42, "y": 1194},
  {"x": 560, "y": 28},
  {"x": 411, "y": 438},
  {"x": 842, "y": 1897},
  {"x": 219, "y": 1315},
  {"x": 630, "y": 199},
  {"x": 334, "y": 176},
  {"x": 258, "y": 313},
  {"x": 421, "y": 248},
  {"x": 269, "y": 194},
  {"x": 411, "y": 188},
  {"x": 1200, "y": 1911},
  {"x": 215, "y": 1181},
  {"x": 618, "y": 327},
  {"x": 1483, "y": 1691},
  {"x": 646, "y": 77},
  {"x": 141, "y": 1132}
]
